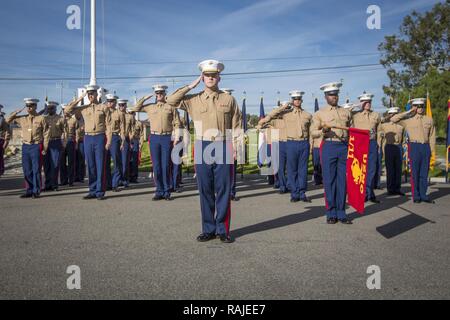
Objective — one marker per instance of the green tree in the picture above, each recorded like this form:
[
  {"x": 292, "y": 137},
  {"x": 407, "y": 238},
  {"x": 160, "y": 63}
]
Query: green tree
[
  {"x": 437, "y": 84},
  {"x": 423, "y": 43},
  {"x": 417, "y": 61},
  {"x": 252, "y": 120}
]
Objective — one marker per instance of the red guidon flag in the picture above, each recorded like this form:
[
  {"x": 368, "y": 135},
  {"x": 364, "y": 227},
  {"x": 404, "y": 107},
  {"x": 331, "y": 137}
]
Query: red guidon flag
[{"x": 357, "y": 159}]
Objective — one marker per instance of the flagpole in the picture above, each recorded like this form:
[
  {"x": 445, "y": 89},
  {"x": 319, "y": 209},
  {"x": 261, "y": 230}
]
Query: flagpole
[{"x": 93, "y": 80}]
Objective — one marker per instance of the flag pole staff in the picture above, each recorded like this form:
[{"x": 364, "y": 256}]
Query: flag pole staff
[{"x": 93, "y": 80}]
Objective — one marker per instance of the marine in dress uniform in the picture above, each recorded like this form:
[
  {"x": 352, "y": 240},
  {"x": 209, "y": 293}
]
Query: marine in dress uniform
[
  {"x": 163, "y": 118},
  {"x": 176, "y": 166},
  {"x": 367, "y": 119},
  {"x": 5, "y": 136},
  {"x": 69, "y": 155},
  {"x": 274, "y": 121},
  {"x": 297, "y": 122},
  {"x": 126, "y": 150},
  {"x": 80, "y": 161},
  {"x": 333, "y": 151},
  {"x": 217, "y": 122},
  {"x": 391, "y": 134},
  {"x": 35, "y": 139},
  {"x": 136, "y": 142},
  {"x": 117, "y": 128},
  {"x": 317, "y": 166},
  {"x": 234, "y": 197},
  {"x": 422, "y": 139},
  {"x": 52, "y": 159},
  {"x": 97, "y": 140}
]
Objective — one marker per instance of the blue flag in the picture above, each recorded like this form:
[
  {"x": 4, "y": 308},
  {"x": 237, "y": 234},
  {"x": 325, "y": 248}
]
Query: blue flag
[
  {"x": 261, "y": 109},
  {"x": 261, "y": 136},
  {"x": 316, "y": 105},
  {"x": 244, "y": 116}
]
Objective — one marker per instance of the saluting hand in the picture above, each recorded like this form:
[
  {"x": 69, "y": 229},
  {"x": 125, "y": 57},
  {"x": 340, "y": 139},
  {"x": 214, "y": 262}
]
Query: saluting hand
[
  {"x": 413, "y": 109},
  {"x": 20, "y": 110},
  {"x": 148, "y": 97},
  {"x": 195, "y": 82}
]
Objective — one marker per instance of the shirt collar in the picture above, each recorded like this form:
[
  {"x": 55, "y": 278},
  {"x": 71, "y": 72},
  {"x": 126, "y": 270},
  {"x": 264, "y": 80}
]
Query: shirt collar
[{"x": 211, "y": 93}]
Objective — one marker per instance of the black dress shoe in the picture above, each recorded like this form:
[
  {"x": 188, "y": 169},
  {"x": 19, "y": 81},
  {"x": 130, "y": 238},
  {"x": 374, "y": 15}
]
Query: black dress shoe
[
  {"x": 374, "y": 200},
  {"x": 206, "y": 237},
  {"x": 70, "y": 184},
  {"x": 225, "y": 239},
  {"x": 400, "y": 193},
  {"x": 428, "y": 201},
  {"x": 116, "y": 189},
  {"x": 234, "y": 198},
  {"x": 295, "y": 200},
  {"x": 417, "y": 201},
  {"x": 101, "y": 198},
  {"x": 35, "y": 196},
  {"x": 26, "y": 195},
  {"x": 89, "y": 196},
  {"x": 157, "y": 198},
  {"x": 331, "y": 220},
  {"x": 345, "y": 221},
  {"x": 178, "y": 190},
  {"x": 55, "y": 189},
  {"x": 305, "y": 199},
  {"x": 167, "y": 198}
]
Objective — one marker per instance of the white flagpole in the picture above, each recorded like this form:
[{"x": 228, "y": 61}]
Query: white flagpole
[{"x": 93, "y": 80}]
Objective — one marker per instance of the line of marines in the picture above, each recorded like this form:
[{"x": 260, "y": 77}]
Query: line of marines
[{"x": 107, "y": 138}]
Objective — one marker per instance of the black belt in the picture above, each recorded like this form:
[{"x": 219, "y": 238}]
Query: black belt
[{"x": 302, "y": 139}]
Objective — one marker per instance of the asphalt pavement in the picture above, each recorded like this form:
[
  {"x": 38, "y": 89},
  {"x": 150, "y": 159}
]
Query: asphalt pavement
[{"x": 129, "y": 247}]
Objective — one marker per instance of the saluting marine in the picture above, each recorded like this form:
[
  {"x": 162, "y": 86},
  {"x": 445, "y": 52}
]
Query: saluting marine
[
  {"x": 35, "y": 139},
  {"x": 274, "y": 121},
  {"x": 117, "y": 128},
  {"x": 80, "y": 161},
  {"x": 136, "y": 142},
  {"x": 56, "y": 126},
  {"x": 367, "y": 119},
  {"x": 176, "y": 166},
  {"x": 163, "y": 118},
  {"x": 126, "y": 152},
  {"x": 217, "y": 121},
  {"x": 330, "y": 123},
  {"x": 391, "y": 135},
  {"x": 422, "y": 139},
  {"x": 68, "y": 156},
  {"x": 297, "y": 122},
  {"x": 97, "y": 140}
]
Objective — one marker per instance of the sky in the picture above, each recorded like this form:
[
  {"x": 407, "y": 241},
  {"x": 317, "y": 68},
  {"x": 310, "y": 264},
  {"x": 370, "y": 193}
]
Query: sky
[{"x": 141, "y": 38}]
